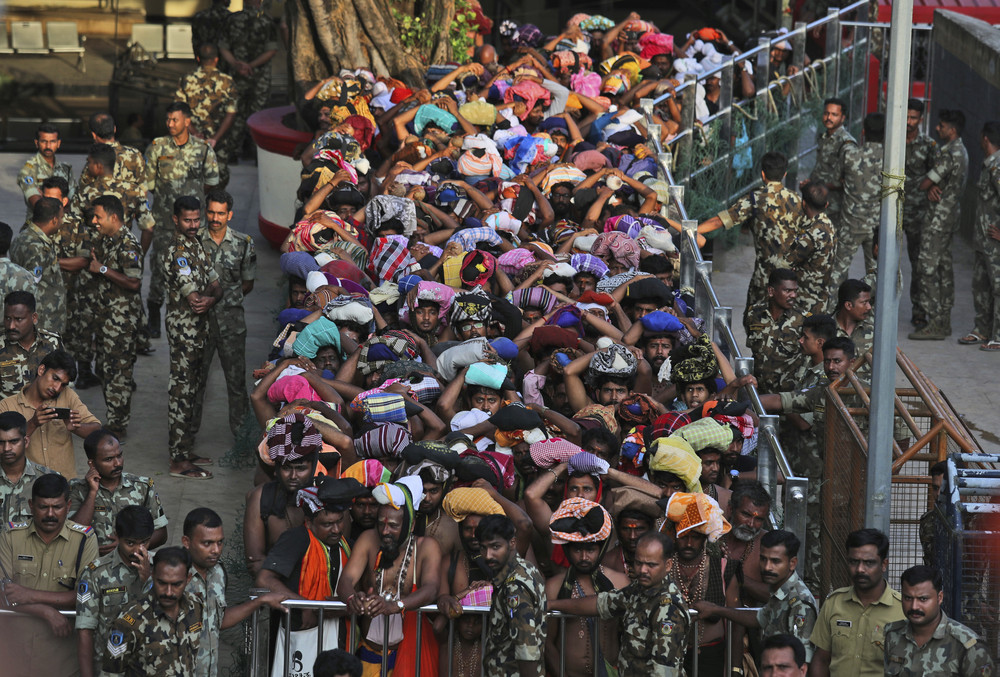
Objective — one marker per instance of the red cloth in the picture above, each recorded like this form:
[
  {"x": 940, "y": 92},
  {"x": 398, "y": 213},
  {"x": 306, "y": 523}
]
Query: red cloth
[
  {"x": 406, "y": 655},
  {"x": 595, "y": 297}
]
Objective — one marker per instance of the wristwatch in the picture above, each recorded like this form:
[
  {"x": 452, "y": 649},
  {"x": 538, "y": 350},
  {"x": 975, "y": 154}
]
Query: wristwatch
[
  {"x": 103, "y": 270},
  {"x": 400, "y": 605}
]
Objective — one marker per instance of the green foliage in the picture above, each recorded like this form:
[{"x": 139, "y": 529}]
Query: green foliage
[{"x": 418, "y": 36}]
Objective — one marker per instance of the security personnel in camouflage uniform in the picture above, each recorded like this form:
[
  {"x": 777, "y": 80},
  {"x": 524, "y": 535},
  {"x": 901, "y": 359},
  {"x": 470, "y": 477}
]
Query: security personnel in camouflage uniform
[
  {"x": 36, "y": 250},
  {"x": 106, "y": 490},
  {"x": 944, "y": 185},
  {"x": 773, "y": 327},
  {"x": 42, "y": 165},
  {"x": 831, "y": 151},
  {"x": 208, "y": 24},
  {"x": 248, "y": 44},
  {"x": 113, "y": 583},
  {"x": 176, "y": 165},
  {"x": 812, "y": 250},
  {"x": 920, "y": 152},
  {"x": 17, "y": 473},
  {"x": 12, "y": 276},
  {"x": 653, "y": 616},
  {"x": 159, "y": 635},
  {"x": 854, "y": 315},
  {"x": 515, "y": 626},
  {"x": 23, "y": 345},
  {"x": 791, "y": 608},
  {"x": 986, "y": 242},
  {"x": 862, "y": 181},
  {"x": 116, "y": 271},
  {"x": 235, "y": 261},
  {"x": 192, "y": 289},
  {"x": 928, "y": 642},
  {"x": 773, "y": 213},
  {"x": 212, "y": 97}
]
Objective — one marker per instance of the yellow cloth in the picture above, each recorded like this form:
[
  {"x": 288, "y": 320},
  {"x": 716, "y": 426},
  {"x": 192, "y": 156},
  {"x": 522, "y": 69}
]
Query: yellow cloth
[
  {"x": 697, "y": 512},
  {"x": 464, "y": 501},
  {"x": 453, "y": 271},
  {"x": 675, "y": 455}
]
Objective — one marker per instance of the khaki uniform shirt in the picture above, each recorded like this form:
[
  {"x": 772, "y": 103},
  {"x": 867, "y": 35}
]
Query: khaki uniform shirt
[
  {"x": 855, "y": 634},
  {"x": 48, "y": 567},
  {"x": 51, "y": 445},
  {"x": 14, "y": 496}
]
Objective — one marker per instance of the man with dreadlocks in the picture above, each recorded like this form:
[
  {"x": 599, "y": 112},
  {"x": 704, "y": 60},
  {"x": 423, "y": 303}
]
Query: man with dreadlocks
[
  {"x": 583, "y": 529},
  {"x": 389, "y": 571}
]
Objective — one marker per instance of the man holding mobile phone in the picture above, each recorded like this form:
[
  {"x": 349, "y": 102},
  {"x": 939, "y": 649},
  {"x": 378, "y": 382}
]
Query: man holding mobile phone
[{"x": 50, "y": 442}]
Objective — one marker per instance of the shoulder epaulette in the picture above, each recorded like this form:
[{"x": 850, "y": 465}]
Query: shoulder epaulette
[
  {"x": 80, "y": 527},
  {"x": 17, "y": 525}
]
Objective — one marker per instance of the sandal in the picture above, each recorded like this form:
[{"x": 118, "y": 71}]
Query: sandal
[
  {"x": 971, "y": 339},
  {"x": 200, "y": 460},
  {"x": 193, "y": 474},
  {"x": 991, "y": 346}
]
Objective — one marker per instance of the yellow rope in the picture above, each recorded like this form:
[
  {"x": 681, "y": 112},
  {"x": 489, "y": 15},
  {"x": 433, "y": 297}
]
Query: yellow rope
[
  {"x": 894, "y": 183},
  {"x": 740, "y": 109}
]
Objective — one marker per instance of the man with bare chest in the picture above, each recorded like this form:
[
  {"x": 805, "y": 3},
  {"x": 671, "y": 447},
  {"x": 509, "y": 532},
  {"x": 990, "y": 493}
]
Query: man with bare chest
[
  {"x": 390, "y": 571},
  {"x": 271, "y": 507},
  {"x": 583, "y": 529},
  {"x": 748, "y": 510},
  {"x": 430, "y": 519}
]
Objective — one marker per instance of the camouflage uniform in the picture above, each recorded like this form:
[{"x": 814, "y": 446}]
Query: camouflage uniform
[
  {"x": 654, "y": 622},
  {"x": 919, "y": 159},
  {"x": 118, "y": 317},
  {"x": 934, "y": 267},
  {"x": 38, "y": 253},
  {"x": 986, "y": 258},
  {"x": 811, "y": 256},
  {"x": 515, "y": 626},
  {"x": 235, "y": 262},
  {"x": 106, "y": 588},
  {"x": 862, "y": 176},
  {"x": 953, "y": 649},
  {"x": 132, "y": 490},
  {"x": 212, "y": 96},
  {"x": 831, "y": 151},
  {"x": 774, "y": 344},
  {"x": 863, "y": 336},
  {"x": 173, "y": 171},
  {"x": 189, "y": 270},
  {"x": 247, "y": 35},
  {"x": 773, "y": 212},
  {"x": 14, "y": 278},
  {"x": 211, "y": 592},
  {"x": 34, "y": 172},
  {"x": 207, "y": 26},
  {"x": 792, "y": 609},
  {"x": 18, "y": 366},
  {"x": 145, "y": 641},
  {"x": 14, "y": 495}
]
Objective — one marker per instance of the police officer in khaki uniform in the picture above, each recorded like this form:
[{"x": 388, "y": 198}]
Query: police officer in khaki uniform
[
  {"x": 158, "y": 635},
  {"x": 43, "y": 558},
  {"x": 111, "y": 584}
]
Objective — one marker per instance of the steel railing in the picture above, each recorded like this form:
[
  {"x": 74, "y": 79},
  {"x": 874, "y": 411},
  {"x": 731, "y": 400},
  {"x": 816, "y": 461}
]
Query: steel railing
[{"x": 259, "y": 663}]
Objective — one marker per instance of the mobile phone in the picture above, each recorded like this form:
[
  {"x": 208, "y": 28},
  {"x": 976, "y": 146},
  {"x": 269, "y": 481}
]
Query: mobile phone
[{"x": 61, "y": 412}]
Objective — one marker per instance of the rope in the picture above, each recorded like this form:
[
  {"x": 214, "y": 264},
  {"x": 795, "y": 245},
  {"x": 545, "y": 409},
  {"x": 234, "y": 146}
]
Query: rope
[
  {"x": 745, "y": 113},
  {"x": 888, "y": 188}
]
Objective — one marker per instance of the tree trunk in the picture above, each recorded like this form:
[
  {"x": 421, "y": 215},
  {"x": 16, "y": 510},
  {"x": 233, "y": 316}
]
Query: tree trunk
[{"x": 330, "y": 35}]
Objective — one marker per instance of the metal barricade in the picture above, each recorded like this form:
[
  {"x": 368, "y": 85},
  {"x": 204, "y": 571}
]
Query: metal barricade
[{"x": 260, "y": 667}]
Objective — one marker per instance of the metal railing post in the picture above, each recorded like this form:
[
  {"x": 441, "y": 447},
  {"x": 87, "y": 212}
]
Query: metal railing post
[
  {"x": 796, "y": 505},
  {"x": 767, "y": 473},
  {"x": 689, "y": 271},
  {"x": 687, "y": 121},
  {"x": 729, "y": 648},
  {"x": 385, "y": 648},
  {"x": 451, "y": 645},
  {"x": 703, "y": 307},
  {"x": 833, "y": 52},
  {"x": 562, "y": 645},
  {"x": 320, "y": 646},
  {"x": 723, "y": 318},
  {"x": 726, "y": 101},
  {"x": 288, "y": 643},
  {"x": 420, "y": 658}
]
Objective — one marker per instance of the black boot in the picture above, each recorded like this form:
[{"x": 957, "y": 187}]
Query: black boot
[
  {"x": 154, "y": 320},
  {"x": 85, "y": 377}
]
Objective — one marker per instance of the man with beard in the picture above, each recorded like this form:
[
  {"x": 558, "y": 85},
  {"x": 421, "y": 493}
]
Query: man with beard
[
  {"x": 790, "y": 609},
  {"x": 292, "y": 445},
  {"x": 400, "y": 571},
  {"x": 467, "y": 570},
  {"x": 17, "y": 473},
  {"x": 42, "y": 165},
  {"x": 583, "y": 528},
  {"x": 436, "y": 480},
  {"x": 107, "y": 489},
  {"x": 748, "y": 511},
  {"x": 698, "y": 573},
  {"x": 23, "y": 344},
  {"x": 654, "y": 615},
  {"x": 515, "y": 627},
  {"x": 711, "y": 469},
  {"x": 203, "y": 540},
  {"x": 849, "y": 633},
  {"x": 427, "y": 306},
  {"x": 928, "y": 642},
  {"x": 168, "y": 618}
]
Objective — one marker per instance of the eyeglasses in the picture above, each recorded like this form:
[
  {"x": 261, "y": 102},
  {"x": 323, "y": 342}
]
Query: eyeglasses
[{"x": 471, "y": 325}]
